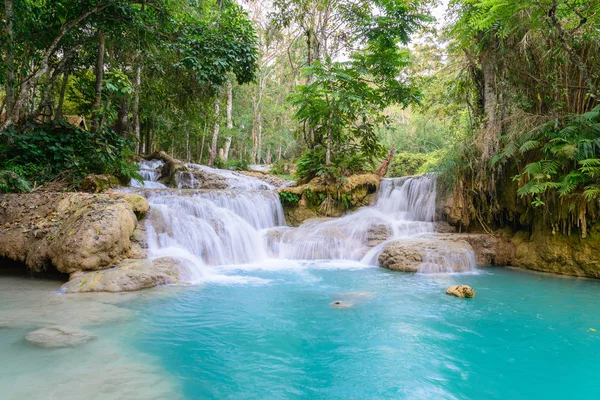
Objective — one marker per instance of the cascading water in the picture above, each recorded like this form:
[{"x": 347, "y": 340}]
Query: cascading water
[
  {"x": 150, "y": 172},
  {"x": 245, "y": 223},
  {"x": 405, "y": 207}
]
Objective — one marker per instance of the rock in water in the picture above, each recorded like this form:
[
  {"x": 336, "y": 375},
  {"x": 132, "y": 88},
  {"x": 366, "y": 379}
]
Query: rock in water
[
  {"x": 129, "y": 276},
  {"x": 340, "y": 304},
  {"x": 56, "y": 336},
  {"x": 462, "y": 291}
]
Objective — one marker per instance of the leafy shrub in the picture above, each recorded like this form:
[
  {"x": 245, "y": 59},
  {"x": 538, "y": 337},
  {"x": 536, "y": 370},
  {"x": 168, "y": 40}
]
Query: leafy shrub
[
  {"x": 40, "y": 152},
  {"x": 280, "y": 167},
  {"x": 343, "y": 163},
  {"x": 405, "y": 164},
  {"x": 232, "y": 165},
  {"x": 287, "y": 197}
]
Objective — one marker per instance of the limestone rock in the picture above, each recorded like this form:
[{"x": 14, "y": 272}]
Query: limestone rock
[
  {"x": 57, "y": 336},
  {"x": 96, "y": 236},
  {"x": 268, "y": 178},
  {"x": 130, "y": 275},
  {"x": 70, "y": 231},
  {"x": 412, "y": 255},
  {"x": 378, "y": 234},
  {"x": 138, "y": 204},
  {"x": 489, "y": 249},
  {"x": 462, "y": 291},
  {"x": 98, "y": 183}
]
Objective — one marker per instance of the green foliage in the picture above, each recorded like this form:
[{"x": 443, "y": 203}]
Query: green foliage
[
  {"x": 41, "y": 152},
  {"x": 405, "y": 164},
  {"x": 290, "y": 198},
  {"x": 566, "y": 158},
  {"x": 11, "y": 182},
  {"x": 231, "y": 164},
  {"x": 312, "y": 164}
]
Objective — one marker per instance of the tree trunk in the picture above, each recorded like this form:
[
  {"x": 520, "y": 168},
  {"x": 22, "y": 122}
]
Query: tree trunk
[
  {"x": 382, "y": 170},
  {"x": 203, "y": 140},
  {"x": 279, "y": 152},
  {"x": 99, "y": 76},
  {"x": 227, "y": 148},
  {"x": 136, "y": 108},
  {"x": 61, "y": 98},
  {"x": 229, "y": 105},
  {"x": 489, "y": 139},
  {"x": 259, "y": 138},
  {"x": 268, "y": 159},
  {"x": 10, "y": 59},
  {"x": 122, "y": 124},
  {"x": 215, "y": 137}
]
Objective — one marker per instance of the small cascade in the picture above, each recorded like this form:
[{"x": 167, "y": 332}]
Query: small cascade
[
  {"x": 150, "y": 173},
  {"x": 405, "y": 207},
  {"x": 232, "y": 179},
  {"x": 448, "y": 258}
]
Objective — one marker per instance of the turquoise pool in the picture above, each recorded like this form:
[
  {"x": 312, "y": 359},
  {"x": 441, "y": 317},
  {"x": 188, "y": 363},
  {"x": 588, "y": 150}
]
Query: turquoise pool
[{"x": 524, "y": 336}]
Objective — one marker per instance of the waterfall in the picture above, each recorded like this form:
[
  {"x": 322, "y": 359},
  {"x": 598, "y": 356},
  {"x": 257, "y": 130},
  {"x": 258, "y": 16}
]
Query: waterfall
[
  {"x": 405, "y": 207},
  {"x": 245, "y": 223},
  {"x": 150, "y": 173},
  {"x": 218, "y": 227}
]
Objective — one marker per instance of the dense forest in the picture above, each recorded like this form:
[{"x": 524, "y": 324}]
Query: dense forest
[{"x": 499, "y": 98}]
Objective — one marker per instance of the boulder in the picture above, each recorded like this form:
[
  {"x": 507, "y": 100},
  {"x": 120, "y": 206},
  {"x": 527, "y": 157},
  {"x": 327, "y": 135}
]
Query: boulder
[
  {"x": 57, "y": 336},
  {"x": 130, "y": 275},
  {"x": 69, "y": 231},
  {"x": 98, "y": 183},
  {"x": 462, "y": 291},
  {"x": 416, "y": 254},
  {"x": 489, "y": 249}
]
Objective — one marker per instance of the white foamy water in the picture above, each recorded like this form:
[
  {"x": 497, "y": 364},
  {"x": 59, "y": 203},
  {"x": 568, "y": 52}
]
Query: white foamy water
[
  {"x": 245, "y": 225},
  {"x": 233, "y": 179},
  {"x": 150, "y": 173}
]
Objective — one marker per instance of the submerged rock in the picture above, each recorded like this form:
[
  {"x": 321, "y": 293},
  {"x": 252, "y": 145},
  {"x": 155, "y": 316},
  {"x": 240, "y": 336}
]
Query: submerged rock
[
  {"x": 130, "y": 275},
  {"x": 340, "y": 304},
  {"x": 56, "y": 336},
  {"x": 462, "y": 291}
]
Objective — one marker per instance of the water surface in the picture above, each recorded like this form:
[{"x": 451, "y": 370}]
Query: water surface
[{"x": 524, "y": 335}]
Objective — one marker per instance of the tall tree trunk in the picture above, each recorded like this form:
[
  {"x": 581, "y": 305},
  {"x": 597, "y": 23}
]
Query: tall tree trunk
[
  {"x": 99, "y": 76},
  {"x": 259, "y": 138},
  {"x": 279, "y": 152},
  {"x": 148, "y": 148},
  {"x": 203, "y": 140},
  {"x": 10, "y": 59},
  {"x": 136, "y": 108},
  {"x": 227, "y": 148},
  {"x": 215, "y": 137},
  {"x": 489, "y": 140},
  {"x": 188, "y": 151},
  {"x": 122, "y": 124},
  {"x": 229, "y": 104},
  {"x": 61, "y": 98}
]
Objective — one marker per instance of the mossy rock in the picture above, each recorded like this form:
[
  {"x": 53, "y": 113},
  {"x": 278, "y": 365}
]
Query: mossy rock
[
  {"x": 98, "y": 183},
  {"x": 139, "y": 205}
]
